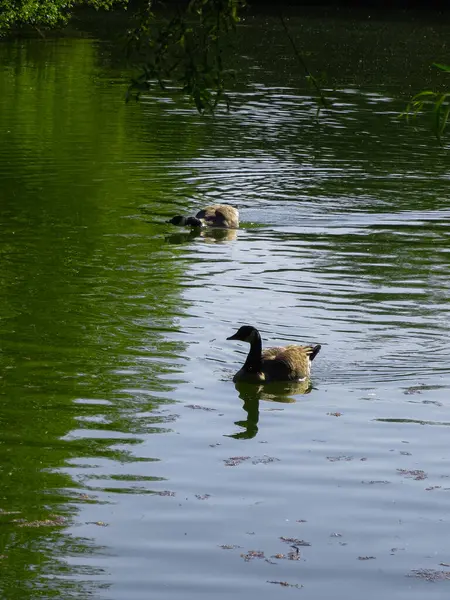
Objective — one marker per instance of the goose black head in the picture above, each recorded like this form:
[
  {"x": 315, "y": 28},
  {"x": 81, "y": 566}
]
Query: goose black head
[
  {"x": 177, "y": 220},
  {"x": 246, "y": 333},
  {"x": 185, "y": 221}
]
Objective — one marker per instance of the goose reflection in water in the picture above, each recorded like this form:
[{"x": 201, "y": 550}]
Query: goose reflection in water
[
  {"x": 211, "y": 236},
  {"x": 251, "y": 394}
]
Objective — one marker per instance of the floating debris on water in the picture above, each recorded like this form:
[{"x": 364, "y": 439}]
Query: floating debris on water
[
  {"x": 54, "y": 521},
  {"x": 265, "y": 460},
  {"x": 430, "y": 574},
  {"x": 234, "y": 461},
  {"x": 251, "y": 554},
  {"x": 417, "y": 474},
  {"x": 294, "y": 554},
  {"x": 286, "y": 584},
  {"x": 165, "y": 493},
  {"x": 376, "y": 481},
  {"x": 295, "y": 541}
]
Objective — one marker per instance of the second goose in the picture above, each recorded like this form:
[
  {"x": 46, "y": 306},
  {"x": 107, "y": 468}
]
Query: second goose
[{"x": 216, "y": 215}]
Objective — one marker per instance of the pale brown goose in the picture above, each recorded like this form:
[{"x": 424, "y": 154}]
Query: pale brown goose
[{"x": 288, "y": 363}]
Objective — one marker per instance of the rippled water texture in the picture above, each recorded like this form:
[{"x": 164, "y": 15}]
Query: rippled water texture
[{"x": 131, "y": 466}]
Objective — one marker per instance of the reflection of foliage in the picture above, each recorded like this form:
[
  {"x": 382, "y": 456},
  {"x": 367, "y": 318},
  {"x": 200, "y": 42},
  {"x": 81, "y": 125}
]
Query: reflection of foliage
[
  {"x": 44, "y": 13},
  {"x": 186, "y": 50},
  {"x": 66, "y": 346},
  {"x": 439, "y": 102},
  {"x": 316, "y": 84}
]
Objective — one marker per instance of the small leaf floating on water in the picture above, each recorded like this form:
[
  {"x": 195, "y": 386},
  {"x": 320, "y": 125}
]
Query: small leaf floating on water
[
  {"x": 334, "y": 414},
  {"x": 295, "y": 541},
  {"x": 265, "y": 460},
  {"x": 338, "y": 458},
  {"x": 251, "y": 554},
  {"x": 229, "y": 546},
  {"x": 294, "y": 554},
  {"x": 366, "y": 557},
  {"x": 279, "y": 556},
  {"x": 54, "y": 522},
  {"x": 165, "y": 493},
  {"x": 234, "y": 461},
  {"x": 202, "y": 497},
  {"x": 83, "y": 497},
  {"x": 286, "y": 584},
  {"x": 418, "y": 474},
  {"x": 98, "y": 523},
  {"x": 430, "y": 574},
  {"x": 376, "y": 481}
]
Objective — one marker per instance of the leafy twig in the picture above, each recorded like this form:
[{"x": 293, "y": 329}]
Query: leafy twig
[{"x": 323, "y": 100}]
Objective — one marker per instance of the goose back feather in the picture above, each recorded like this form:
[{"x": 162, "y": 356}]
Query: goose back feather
[{"x": 219, "y": 215}]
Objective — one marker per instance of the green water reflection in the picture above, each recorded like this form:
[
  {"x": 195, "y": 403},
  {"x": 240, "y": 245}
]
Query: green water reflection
[
  {"x": 94, "y": 287},
  {"x": 83, "y": 320}
]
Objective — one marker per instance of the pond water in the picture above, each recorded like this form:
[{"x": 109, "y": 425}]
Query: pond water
[{"x": 131, "y": 466}]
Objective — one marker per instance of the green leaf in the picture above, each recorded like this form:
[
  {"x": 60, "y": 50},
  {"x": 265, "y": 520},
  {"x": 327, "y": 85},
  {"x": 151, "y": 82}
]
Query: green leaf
[{"x": 442, "y": 67}]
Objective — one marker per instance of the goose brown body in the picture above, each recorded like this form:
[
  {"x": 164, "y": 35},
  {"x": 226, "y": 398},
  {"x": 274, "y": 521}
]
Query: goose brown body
[
  {"x": 219, "y": 215},
  {"x": 288, "y": 363},
  {"x": 216, "y": 215}
]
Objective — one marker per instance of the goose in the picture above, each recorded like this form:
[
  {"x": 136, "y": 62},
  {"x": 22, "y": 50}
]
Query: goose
[
  {"x": 216, "y": 215},
  {"x": 288, "y": 363}
]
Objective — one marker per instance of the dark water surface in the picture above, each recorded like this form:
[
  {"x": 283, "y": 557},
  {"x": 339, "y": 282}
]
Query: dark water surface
[{"x": 130, "y": 465}]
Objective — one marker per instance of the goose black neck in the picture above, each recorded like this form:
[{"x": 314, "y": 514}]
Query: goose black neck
[
  {"x": 253, "y": 361},
  {"x": 193, "y": 222}
]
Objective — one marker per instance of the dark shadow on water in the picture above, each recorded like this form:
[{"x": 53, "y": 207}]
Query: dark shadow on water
[
  {"x": 182, "y": 237},
  {"x": 208, "y": 235},
  {"x": 251, "y": 394},
  {"x": 413, "y": 421}
]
